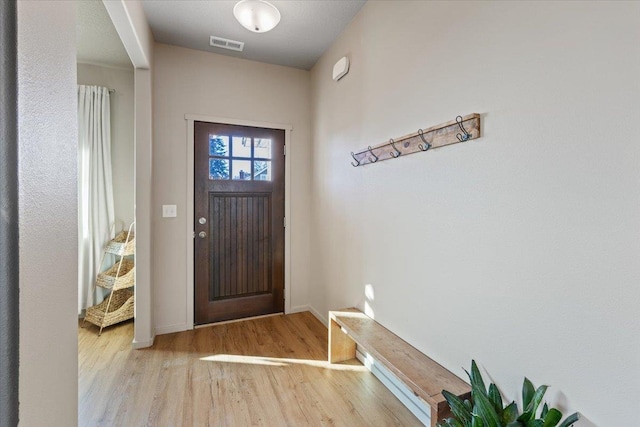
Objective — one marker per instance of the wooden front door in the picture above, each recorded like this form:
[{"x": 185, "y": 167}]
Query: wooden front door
[{"x": 239, "y": 221}]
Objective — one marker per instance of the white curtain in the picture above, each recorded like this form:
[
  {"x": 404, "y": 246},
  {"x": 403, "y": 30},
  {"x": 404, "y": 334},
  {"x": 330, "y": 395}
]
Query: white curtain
[{"x": 95, "y": 188}]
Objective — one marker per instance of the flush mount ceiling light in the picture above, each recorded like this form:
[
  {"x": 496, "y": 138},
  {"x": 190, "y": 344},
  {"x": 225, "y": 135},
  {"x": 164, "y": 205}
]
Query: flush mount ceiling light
[{"x": 256, "y": 15}]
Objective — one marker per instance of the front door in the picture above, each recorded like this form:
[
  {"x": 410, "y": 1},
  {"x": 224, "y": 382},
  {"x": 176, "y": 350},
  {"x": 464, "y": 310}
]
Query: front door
[{"x": 239, "y": 221}]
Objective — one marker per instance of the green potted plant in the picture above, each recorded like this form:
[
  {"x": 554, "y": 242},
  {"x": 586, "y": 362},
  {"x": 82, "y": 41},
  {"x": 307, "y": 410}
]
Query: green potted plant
[{"x": 487, "y": 409}]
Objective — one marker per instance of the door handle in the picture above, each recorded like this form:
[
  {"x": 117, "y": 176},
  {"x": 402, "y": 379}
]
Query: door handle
[
  {"x": 202, "y": 220},
  {"x": 202, "y": 234}
]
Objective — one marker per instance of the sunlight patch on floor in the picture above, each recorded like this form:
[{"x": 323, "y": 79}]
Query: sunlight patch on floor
[{"x": 277, "y": 361}]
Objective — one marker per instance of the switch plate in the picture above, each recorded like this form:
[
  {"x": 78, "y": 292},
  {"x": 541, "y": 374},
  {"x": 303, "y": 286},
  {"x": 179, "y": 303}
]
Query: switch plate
[{"x": 169, "y": 211}]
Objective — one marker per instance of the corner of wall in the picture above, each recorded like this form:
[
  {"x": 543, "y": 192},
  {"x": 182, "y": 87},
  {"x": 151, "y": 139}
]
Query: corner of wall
[{"x": 318, "y": 316}]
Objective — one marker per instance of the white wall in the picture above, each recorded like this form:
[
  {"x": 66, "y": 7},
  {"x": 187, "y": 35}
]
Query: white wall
[
  {"x": 194, "y": 82},
  {"x": 47, "y": 114},
  {"x": 122, "y": 133},
  {"x": 519, "y": 249}
]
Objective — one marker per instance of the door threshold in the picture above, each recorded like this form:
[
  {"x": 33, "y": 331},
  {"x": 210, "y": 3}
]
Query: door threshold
[{"x": 224, "y": 322}]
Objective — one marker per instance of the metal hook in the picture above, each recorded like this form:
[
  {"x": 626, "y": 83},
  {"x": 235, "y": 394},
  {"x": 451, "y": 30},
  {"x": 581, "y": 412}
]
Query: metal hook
[
  {"x": 426, "y": 145},
  {"x": 465, "y": 135},
  {"x": 356, "y": 159},
  {"x": 374, "y": 156},
  {"x": 397, "y": 152}
]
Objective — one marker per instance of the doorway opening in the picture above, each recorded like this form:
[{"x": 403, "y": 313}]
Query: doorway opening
[{"x": 106, "y": 153}]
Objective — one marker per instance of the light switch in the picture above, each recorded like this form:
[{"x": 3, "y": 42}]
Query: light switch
[{"x": 169, "y": 211}]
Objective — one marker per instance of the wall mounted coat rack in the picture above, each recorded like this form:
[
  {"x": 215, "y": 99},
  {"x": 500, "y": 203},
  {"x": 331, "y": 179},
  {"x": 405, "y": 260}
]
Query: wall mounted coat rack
[{"x": 462, "y": 129}]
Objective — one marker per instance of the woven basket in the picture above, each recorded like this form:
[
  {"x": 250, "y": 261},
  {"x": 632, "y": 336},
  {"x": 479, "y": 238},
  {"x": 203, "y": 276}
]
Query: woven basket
[
  {"x": 120, "y": 246},
  {"x": 125, "y": 279},
  {"x": 120, "y": 309}
]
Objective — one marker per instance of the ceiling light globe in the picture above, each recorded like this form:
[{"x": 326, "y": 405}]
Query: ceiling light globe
[{"x": 256, "y": 15}]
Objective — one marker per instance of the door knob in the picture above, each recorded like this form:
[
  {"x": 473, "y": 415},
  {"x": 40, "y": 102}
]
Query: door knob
[
  {"x": 202, "y": 220},
  {"x": 202, "y": 234}
]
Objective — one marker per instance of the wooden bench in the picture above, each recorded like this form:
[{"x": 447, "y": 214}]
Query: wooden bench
[{"x": 423, "y": 376}]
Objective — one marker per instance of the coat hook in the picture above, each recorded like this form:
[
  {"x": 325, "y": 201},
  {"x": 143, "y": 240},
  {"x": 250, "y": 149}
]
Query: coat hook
[
  {"x": 426, "y": 145},
  {"x": 374, "y": 156},
  {"x": 356, "y": 159},
  {"x": 465, "y": 135},
  {"x": 396, "y": 153}
]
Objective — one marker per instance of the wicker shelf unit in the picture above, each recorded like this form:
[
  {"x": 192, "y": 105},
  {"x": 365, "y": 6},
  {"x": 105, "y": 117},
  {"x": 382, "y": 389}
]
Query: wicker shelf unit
[{"x": 119, "y": 279}]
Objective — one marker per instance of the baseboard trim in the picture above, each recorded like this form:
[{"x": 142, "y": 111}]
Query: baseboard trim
[
  {"x": 298, "y": 309},
  {"x": 224, "y": 322},
  {"x": 417, "y": 407},
  {"x": 318, "y": 316},
  {"x": 170, "y": 329}
]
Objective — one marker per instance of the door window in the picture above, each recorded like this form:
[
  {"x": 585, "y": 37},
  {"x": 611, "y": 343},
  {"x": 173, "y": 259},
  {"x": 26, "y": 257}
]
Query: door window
[{"x": 239, "y": 158}]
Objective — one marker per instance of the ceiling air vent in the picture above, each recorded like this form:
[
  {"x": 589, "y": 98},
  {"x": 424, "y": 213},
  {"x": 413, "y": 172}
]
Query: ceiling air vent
[{"x": 226, "y": 43}]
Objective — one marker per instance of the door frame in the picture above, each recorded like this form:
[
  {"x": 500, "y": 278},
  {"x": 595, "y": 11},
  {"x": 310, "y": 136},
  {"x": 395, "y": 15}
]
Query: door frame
[{"x": 191, "y": 118}]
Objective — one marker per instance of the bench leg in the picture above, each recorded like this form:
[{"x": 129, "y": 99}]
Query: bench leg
[
  {"x": 341, "y": 347},
  {"x": 434, "y": 416}
]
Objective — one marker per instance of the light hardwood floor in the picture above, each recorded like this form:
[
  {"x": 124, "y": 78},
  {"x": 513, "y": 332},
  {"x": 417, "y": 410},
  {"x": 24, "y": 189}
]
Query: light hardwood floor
[{"x": 263, "y": 372}]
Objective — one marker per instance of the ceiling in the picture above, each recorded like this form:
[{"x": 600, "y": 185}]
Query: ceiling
[
  {"x": 97, "y": 41},
  {"x": 306, "y": 30}
]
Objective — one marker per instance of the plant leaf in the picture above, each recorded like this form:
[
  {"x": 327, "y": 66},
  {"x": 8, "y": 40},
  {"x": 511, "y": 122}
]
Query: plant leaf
[
  {"x": 534, "y": 423},
  {"x": 525, "y": 416},
  {"x": 484, "y": 408},
  {"x": 496, "y": 399},
  {"x": 476, "y": 379},
  {"x": 552, "y": 417},
  {"x": 545, "y": 410},
  {"x": 510, "y": 413},
  {"x": 570, "y": 420},
  {"x": 527, "y": 392},
  {"x": 458, "y": 409},
  {"x": 536, "y": 400},
  {"x": 467, "y": 403},
  {"x": 515, "y": 424},
  {"x": 450, "y": 422},
  {"x": 476, "y": 421}
]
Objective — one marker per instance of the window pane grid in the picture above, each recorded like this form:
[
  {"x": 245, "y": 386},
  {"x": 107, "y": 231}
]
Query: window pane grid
[{"x": 239, "y": 158}]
